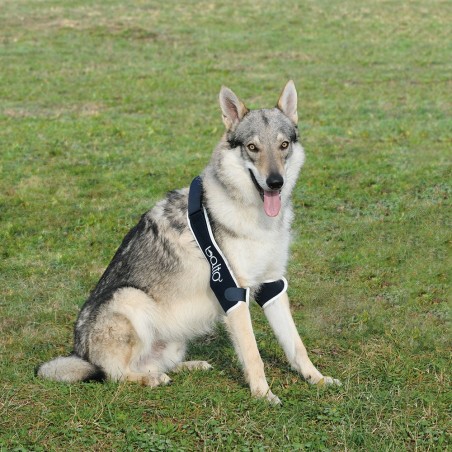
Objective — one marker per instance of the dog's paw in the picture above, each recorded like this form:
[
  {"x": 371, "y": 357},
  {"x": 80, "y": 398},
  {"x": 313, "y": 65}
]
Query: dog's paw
[
  {"x": 267, "y": 395},
  {"x": 164, "y": 379},
  {"x": 314, "y": 377},
  {"x": 328, "y": 381},
  {"x": 200, "y": 365},
  {"x": 156, "y": 380},
  {"x": 272, "y": 398},
  {"x": 193, "y": 365}
]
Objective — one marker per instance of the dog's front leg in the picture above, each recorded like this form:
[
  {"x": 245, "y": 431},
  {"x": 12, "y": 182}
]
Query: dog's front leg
[
  {"x": 239, "y": 324},
  {"x": 280, "y": 319}
]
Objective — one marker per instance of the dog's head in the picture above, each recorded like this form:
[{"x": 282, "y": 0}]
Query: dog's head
[{"x": 267, "y": 138}]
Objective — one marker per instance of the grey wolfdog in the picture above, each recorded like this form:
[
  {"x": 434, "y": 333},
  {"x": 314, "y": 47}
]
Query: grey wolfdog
[{"x": 155, "y": 294}]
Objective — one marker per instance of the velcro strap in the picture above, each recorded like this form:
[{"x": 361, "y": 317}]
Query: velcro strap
[
  {"x": 269, "y": 291},
  {"x": 235, "y": 294}
]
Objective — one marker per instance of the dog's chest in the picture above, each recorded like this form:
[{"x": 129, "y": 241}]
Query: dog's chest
[{"x": 259, "y": 258}]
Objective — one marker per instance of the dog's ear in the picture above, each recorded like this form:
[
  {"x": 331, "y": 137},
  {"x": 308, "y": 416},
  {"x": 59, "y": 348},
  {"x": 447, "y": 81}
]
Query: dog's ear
[
  {"x": 232, "y": 108},
  {"x": 287, "y": 102}
]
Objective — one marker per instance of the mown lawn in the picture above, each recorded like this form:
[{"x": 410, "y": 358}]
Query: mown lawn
[{"x": 105, "y": 106}]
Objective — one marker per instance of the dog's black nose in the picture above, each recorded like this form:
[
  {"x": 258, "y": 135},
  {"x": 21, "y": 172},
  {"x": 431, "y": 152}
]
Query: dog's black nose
[{"x": 275, "y": 181}]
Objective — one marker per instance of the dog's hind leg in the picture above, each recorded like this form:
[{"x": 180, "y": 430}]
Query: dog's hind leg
[
  {"x": 112, "y": 348},
  {"x": 115, "y": 348},
  {"x": 124, "y": 343},
  {"x": 280, "y": 319},
  {"x": 239, "y": 324}
]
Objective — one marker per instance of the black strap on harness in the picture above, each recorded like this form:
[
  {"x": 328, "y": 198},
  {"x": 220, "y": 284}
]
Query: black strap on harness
[
  {"x": 222, "y": 280},
  {"x": 270, "y": 291}
]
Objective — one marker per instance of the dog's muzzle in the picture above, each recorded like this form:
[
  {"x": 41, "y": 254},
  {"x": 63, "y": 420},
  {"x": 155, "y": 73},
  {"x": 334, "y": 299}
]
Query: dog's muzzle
[
  {"x": 271, "y": 198},
  {"x": 275, "y": 181}
]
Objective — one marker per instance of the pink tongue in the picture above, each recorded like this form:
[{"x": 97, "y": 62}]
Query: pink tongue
[{"x": 272, "y": 203}]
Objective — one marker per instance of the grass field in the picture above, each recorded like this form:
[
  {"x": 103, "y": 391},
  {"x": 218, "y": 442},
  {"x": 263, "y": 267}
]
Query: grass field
[{"x": 105, "y": 106}]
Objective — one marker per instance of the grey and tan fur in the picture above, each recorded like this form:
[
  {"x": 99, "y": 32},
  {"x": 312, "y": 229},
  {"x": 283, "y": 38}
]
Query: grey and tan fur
[{"x": 155, "y": 294}]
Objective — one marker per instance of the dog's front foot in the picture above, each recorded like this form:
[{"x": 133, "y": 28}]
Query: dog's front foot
[
  {"x": 327, "y": 381},
  {"x": 272, "y": 398},
  {"x": 267, "y": 395},
  {"x": 320, "y": 380},
  {"x": 314, "y": 377}
]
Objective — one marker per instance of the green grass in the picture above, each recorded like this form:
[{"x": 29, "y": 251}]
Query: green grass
[{"x": 105, "y": 106}]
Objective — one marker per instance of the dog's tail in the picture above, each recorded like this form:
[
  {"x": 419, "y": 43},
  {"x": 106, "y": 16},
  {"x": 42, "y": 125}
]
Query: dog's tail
[{"x": 70, "y": 369}]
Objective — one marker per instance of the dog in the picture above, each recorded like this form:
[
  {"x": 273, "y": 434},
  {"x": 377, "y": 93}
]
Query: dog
[{"x": 155, "y": 295}]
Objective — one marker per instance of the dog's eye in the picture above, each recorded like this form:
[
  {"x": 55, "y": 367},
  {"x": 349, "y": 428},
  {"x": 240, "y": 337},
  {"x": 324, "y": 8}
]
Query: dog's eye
[
  {"x": 284, "y": 145},
  {"x": 252, "y": 147}
]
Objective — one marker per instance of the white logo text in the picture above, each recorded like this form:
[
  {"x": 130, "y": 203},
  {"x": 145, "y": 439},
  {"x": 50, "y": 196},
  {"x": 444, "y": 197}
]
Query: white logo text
[{"x": 216, "y": 266}]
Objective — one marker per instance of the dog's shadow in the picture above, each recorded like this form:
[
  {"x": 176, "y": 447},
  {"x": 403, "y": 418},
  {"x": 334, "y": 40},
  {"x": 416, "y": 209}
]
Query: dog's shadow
[{"x": 218, "y": 350}]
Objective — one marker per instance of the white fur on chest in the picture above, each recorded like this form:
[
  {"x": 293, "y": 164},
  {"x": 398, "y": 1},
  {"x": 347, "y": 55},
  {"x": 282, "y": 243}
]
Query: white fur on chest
[
  {"x": 256, "y": 246},
  {"x": 260, "y": 257}
]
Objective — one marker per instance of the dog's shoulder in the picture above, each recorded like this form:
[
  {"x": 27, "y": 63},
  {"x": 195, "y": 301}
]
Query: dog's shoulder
[{"x": 171, "y": 211}]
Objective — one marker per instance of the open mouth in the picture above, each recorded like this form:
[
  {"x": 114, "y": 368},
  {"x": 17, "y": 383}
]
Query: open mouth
[
  {"x": 271, "y": 198},
  {"x": 258, "y": 187}
]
